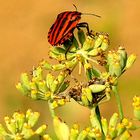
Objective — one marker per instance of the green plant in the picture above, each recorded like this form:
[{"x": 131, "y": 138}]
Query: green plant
[{"x": 49, "y": 83}]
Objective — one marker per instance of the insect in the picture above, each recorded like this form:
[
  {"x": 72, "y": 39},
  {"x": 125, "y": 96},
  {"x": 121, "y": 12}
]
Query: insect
[{"x": 64, "y": 25}]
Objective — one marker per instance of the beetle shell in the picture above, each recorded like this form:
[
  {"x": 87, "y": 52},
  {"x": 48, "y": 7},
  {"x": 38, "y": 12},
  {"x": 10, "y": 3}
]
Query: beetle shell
[{"x": 63, "y": 27}]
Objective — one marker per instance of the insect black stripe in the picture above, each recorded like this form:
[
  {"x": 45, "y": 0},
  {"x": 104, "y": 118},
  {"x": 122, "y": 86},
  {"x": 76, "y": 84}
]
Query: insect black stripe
[
  {"x": 70, "y": 24},
  {"x": 60, "y": 26},
  {"x": 54, "y": 27}
]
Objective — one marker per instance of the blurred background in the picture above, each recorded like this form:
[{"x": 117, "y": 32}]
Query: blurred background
[{"x": 23, "y": 42}]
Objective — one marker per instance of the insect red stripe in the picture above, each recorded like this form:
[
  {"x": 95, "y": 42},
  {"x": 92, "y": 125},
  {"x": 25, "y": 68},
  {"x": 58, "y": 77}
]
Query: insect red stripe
[
  {"x": 65, "y": 27},
  {"x": 69, "y": 25},
  {"x": 60, "y": 24},
  {"x": 54, "y": 27}
]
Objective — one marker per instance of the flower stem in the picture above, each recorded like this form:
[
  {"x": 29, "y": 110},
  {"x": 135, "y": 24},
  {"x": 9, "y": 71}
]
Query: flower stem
[
  {"x": 51, "y": 109},
  {"x": 97, "y": 110},
  {"x": 115, "y": 90},
  {"x": 99, "y": 119}
]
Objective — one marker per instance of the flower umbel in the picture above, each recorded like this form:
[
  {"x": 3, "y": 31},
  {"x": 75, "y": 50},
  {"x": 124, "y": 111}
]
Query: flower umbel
[
  {"x": 20, "y": 126},
  {"x": 136, "y": 105},
  {"x": 48, "y": 82}
]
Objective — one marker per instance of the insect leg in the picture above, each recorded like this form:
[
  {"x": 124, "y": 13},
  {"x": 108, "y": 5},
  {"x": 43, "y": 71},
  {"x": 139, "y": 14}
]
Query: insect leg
[
  {"x": 67, "y": 44},
  {"x": 84, "y": 25}
]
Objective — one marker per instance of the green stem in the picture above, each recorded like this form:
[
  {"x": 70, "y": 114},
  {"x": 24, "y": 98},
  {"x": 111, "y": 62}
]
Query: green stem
[
  {"x": 95, "y": 119},
  {"x": 51, "y": 109},
  {"x": 97, "y": 110},
  {"x": 49, "y": 102},
  {"x": 115, "y": 90},
  {"x": 99, "y": 118}
]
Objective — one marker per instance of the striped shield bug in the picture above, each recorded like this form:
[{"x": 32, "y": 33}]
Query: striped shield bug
[{"x": 64, "y": 25}]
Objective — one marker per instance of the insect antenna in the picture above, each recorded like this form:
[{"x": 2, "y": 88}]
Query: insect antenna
[
  {"x": 91, "y": 14},
  {"x": 75, "y": 7}
]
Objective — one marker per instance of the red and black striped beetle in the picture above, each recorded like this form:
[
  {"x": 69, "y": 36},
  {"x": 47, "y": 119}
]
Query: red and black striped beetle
[{"x": 64, "y": 25}]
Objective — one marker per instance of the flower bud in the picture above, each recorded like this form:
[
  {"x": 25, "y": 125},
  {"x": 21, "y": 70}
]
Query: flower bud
[
  {"x": 112, "y": 132},
  {"x": 115, "y": 69},
  {"x": 87, "y": 66},
  {"x": 46, "y": 65},
  {"x": 98, "y": 41},
  {"x": 46, "y": 137},
  {"x": 104, "y": 125},
  {"x": 82, "y": 135},
  {"x": 96, "y": 134},
  {"x": 2, "y": 131},
  {"x": 26, "y": 132},
  {"x": 125, "y": 122},
  {"x": 59, "y": 57},
  {"x": 125, "y": 136},
  {"x": 61, "y": 77},
  {"x": 95, "y": 88},
  {"x": 84, "y": 99},
  {"x": 130, "y": 60},
  {"x": 10, "y": 124},
  {"x": 61, "y": 102},
  {"x": 123, "y": 56},
  {"x": 42, "y": 86},
  {"x": 49, "y": 79},
  {"x": 108, "y": 137},
  {"x": 136, "y": 105},
  {"x": 94, "y": 121},
  {"x": 87, "y": 92},
  {"x": 58, "y": 50},
  {"x": 25, "y": 81},
  {"x": 58, "y": 67},
  {"x": 113, "y": 120},
  {"x": 57, "y": 53},
  {"x": 54, "y": 86},
  {"x": 110, "y": 57},
  {"x": 41, "y": 130},
  {"x": 37, "y": 73},
  {"x": 92, "y": 133},
  {"x": 70, "y": 56},
  {"x": 123, "y": 52},
  {"x": 18, "y": 136},
  {"x": 32, "y": 117},
  {"x": 105, "y": 44},
  {"x": 34, "y": 94},
  {"x": 20, "y": 119},
  {"x": 137, "y": 114},
  {"x": 74, "y": 132},
  {"x": 70, "y": 64},
  {"x": 24, "y": 91},
  {"x": 61, "y": 129},
  {"x": 46, "y": 96},
  {"x": 88, "y": 44},
  {"x": 74, "y": 45},
  {"x": 94, "y": 52},
  {"x": 120, "y": 129},
  {"x": 81, "y": 36},
  {"x": 33, "y": 85},
  {"x": 128, "y": 124},
  {"x": 54, "y": 104}
]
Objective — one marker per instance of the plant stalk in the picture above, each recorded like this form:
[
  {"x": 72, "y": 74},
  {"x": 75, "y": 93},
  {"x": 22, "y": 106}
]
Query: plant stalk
[
  {"x": 51, "y": 109},
  {"x": 97, "y": 110},
  {"x": 119, "y": 104}
]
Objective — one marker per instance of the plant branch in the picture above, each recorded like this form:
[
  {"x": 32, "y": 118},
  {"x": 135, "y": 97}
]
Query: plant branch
[
  {"x": 51, "y": 109},
  {"x": 97, "y": 110},
  {"x": 115, "y": 90}
]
